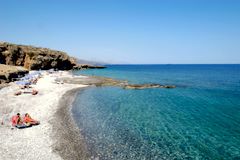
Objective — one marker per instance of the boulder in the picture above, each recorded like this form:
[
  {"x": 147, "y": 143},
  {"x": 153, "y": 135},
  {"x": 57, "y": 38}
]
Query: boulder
[{"x": 10, "y": 73}]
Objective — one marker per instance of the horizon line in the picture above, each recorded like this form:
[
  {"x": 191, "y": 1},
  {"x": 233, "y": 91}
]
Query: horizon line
[{"x": 174, "y": 64}]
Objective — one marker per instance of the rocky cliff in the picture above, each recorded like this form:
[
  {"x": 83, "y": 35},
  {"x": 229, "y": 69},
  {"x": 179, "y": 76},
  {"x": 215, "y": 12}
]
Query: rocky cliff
[
  {"x": 87, "y": 66},
  {"x": 34, "y": 58}
]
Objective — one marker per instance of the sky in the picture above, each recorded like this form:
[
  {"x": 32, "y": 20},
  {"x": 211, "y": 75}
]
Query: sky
[{"x": 128, "y": 31}]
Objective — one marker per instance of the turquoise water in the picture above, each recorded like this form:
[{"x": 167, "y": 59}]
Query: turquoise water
[{"x": 200, "y": 119}]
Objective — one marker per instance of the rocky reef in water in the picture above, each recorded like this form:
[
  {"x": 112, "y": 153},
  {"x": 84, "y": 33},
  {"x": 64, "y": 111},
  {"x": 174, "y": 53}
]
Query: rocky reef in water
[
  {"x": 144, "y": 86},
  {"x": 104, "y": 81},
  {"x": 34, "y": 58}
]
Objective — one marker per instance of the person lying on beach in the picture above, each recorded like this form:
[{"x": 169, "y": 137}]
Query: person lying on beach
[
  {"x": 18, "y": 122},
  {"x": 18, "y": 93},
  {"x": 33, "y": 92},
  {"x": 28, "y": 120},
  {"x": 34, "y": 81},
  {"x": 25, "y": 86}
]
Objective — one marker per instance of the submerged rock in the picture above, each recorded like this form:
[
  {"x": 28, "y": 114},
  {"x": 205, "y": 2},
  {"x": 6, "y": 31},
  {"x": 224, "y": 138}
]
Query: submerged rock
[
  {"x": 103, "y": 81},
  {"x": 144, "y": 86}
]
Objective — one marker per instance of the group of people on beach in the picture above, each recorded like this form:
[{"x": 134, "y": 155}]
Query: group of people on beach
[
  {"x": 26, "y": 121},
  {"x": 26, "y": 82}
]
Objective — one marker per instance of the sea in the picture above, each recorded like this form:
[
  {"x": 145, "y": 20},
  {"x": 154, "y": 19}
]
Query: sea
[{"x": 199, "y": 119}]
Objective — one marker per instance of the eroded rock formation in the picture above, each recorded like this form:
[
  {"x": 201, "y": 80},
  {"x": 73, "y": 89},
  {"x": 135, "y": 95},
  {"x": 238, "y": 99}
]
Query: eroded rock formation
[
  {"x": 34, "y": 58},
  {"x": 10, "y": 73}
]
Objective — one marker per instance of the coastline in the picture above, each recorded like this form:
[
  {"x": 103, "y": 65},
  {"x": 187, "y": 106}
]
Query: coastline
[
  {"x": 40, "y": 142},
  {"x": 57, "y": 137},
  {"x": 65, "y": 131}
]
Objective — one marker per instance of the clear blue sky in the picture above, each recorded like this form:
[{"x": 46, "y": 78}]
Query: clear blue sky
[{"x": 128, "y": 31}]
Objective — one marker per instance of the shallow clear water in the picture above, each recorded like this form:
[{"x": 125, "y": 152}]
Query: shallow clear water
[{"x": 200, "y": 119}]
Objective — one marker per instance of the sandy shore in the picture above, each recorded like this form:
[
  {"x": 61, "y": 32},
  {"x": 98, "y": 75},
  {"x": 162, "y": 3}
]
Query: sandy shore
[{"x": 50, "y": 139}]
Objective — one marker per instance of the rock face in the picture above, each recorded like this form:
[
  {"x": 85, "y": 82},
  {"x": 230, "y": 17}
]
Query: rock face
[
  {"x": 87, "y": 66},
  {"x": 34, "y": 58},
  {"x": 11, "y": 73}
]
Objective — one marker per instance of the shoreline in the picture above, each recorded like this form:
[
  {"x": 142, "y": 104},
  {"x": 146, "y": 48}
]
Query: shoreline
[
  {"x": 65, "y": 130},
  {"x": 41, "y": 141},
  {"x": 58, "y": 136}
]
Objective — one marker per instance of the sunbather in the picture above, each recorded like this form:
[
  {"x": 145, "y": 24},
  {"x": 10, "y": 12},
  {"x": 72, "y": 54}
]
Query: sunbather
[
  {"x": 34, "y": 92},
  {"x": 25, "y": 86},
  {"x": 18, "y": 122},
  {"x": 28, "y": 120},
  {"x": 17, "y": 93}
]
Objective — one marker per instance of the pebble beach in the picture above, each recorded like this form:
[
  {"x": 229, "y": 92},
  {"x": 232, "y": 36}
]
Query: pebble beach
[{"x": 41, "y": 141}]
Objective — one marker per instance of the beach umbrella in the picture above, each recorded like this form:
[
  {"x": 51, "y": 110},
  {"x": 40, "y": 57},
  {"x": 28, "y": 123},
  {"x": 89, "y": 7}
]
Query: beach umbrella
[
  {"x": 24, "y": 78},
  {"x": 23, "y": 83},
  {"x": 36, "y": 73}
]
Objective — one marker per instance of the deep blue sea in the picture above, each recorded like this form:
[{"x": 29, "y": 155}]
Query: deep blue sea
[{"x": 200, "y": 119}]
